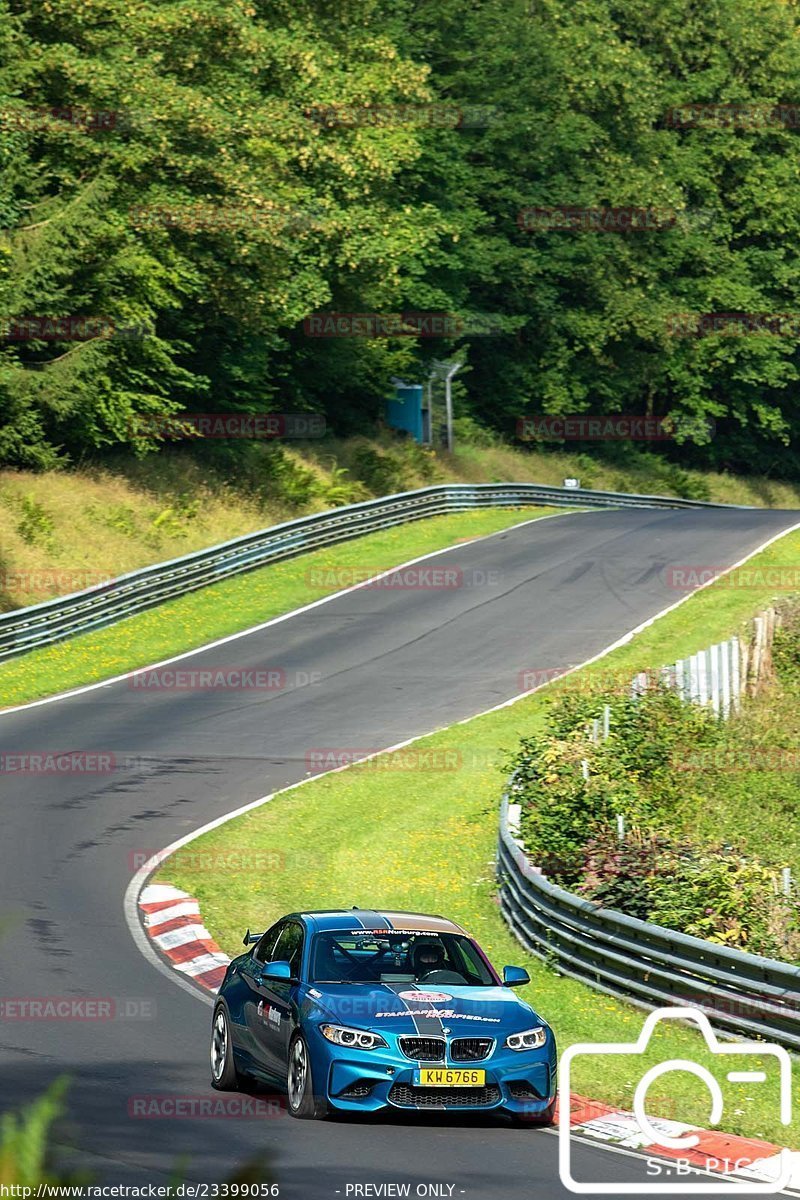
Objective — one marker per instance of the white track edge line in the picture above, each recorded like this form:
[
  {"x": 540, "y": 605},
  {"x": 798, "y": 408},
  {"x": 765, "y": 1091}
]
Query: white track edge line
[
  {"x": 295, "y": 612},
  {"x": 130, "y": 901}
]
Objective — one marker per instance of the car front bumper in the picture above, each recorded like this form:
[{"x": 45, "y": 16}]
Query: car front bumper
[{"x": 523, "y": 1083}]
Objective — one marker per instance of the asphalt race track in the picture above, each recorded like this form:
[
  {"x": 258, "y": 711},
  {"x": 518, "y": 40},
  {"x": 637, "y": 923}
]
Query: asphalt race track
[{"x": 388, "y": 664}]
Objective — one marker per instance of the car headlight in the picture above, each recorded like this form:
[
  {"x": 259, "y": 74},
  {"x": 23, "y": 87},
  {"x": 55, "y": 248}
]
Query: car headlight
[
  {"x": 529, "y": 1040},
  {"x": 359, "y": 1039}
]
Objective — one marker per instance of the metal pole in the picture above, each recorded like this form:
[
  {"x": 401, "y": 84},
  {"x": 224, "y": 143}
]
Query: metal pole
[{"x": 449, "y": 404}]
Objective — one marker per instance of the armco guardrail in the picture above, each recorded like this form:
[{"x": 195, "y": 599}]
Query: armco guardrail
[
  {"x": 651, "y": 966},
  {"x": 41, "y": 624}
]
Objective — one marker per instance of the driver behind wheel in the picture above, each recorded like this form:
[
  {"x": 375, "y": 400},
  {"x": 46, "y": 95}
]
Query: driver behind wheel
[{"x": 427, "y": 957}]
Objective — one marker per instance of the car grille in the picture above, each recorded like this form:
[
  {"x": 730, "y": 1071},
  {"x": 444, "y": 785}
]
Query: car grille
[
  {"x": 406, "y": 1096},
  {"x": 470, "y": 1049},
  {"x": 423, "y": 1049}
]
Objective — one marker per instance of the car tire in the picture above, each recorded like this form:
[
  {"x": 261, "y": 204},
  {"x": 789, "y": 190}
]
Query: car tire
[
  {"x": 536, "y": 1120},
  {"x": 301, "y": 1101},
  {"x": 224, "y": 1075}
]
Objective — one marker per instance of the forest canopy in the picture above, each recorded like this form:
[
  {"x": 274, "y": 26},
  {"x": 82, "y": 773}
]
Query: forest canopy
[{"x": 594, "y": 206}]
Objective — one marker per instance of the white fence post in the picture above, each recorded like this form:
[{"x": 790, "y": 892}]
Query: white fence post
[
  {"x": 736, "y": 680},
  {"x": 725, "y": 677},
  {"x": 639, "y": 685},
  {"x": 714, "y": 656},
  {"x": 721, "y": 673},
  {"x": 702, "y": 677},
  {"x": 758, "y": 652},
  {"x": 515, "y": 822},
  {"x": 679, "y": 680}
]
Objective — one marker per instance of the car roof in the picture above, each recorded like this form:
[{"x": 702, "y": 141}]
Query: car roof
[{"x": 367, "y": 918}]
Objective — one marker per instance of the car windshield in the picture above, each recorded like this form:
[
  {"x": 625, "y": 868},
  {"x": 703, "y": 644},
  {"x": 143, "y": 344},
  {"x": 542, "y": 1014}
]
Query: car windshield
[{"x": 394, "y": 956}]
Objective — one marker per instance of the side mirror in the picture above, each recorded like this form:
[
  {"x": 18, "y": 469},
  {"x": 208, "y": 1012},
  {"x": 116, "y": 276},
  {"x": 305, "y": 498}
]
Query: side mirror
[
  {"x": 515, "y": 976},
  {"x": 277, "y": 970}
]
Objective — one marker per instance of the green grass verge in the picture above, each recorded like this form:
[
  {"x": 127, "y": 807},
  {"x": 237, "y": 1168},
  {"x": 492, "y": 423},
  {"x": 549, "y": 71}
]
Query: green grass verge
[
  {"x": 395, "y": 834},
  {"x": 238, "y": 603}
]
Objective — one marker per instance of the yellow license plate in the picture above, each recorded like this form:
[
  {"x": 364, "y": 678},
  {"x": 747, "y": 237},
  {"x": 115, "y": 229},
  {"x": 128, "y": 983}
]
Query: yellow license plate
[{"x": 450, "y": 1077}]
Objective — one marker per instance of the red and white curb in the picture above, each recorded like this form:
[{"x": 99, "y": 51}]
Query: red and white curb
[
  {"x": 171, "y": 919},
  {"x": 721, "y": 1153}
]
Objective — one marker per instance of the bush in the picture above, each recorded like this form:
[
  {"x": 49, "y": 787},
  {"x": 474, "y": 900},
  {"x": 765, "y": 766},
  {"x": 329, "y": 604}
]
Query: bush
[
  {"x": 263, "y": 469},
  {"x": 720, "y": 895},
  {"x": 621, "y": 874},
  {"x": 786, "y": 653},
  {"x": 341, "y": 489},
  {"x": 689, "y": 487},
  {"x": 469, "y": 432},
  {"x": 422, "y": 461},
  {"x": 558, "y": 809},
  {"x": 710, "y": 892},
  {"x": 564, "y": 804},
  {"x": 632, "y": 774},
  {"x": 383, "y": 471},
  {"x": 35, "y": 525},
  {"x": 174, "y": 521},
  {"x": 571, "y": 790},
  {"x": 24, "y": 1140},
  {"x": 397, "y": 466},
  {"x": 586, "y": 469}
]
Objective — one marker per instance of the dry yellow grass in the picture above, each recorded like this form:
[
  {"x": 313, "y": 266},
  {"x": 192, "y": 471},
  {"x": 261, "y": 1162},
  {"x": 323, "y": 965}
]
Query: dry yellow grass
[
  {"x": 62, "y": 531},
  {"x": 504, "y": 463}
]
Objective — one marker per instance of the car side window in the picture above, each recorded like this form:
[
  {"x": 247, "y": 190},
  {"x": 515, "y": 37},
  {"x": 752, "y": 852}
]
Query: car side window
[
  {"x": 263, "y": 952},
  {"x": 289, "y": 947},
  {"x": 471, "y": 966}
]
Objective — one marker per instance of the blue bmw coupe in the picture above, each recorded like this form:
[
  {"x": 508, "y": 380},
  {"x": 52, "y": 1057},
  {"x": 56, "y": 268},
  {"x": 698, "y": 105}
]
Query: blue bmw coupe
[{"x": 356, "y": 1011}]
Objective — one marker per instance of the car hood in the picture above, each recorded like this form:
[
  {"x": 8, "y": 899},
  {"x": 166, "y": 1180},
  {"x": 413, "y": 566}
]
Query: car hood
[{"x": 409, "y": 1008}]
